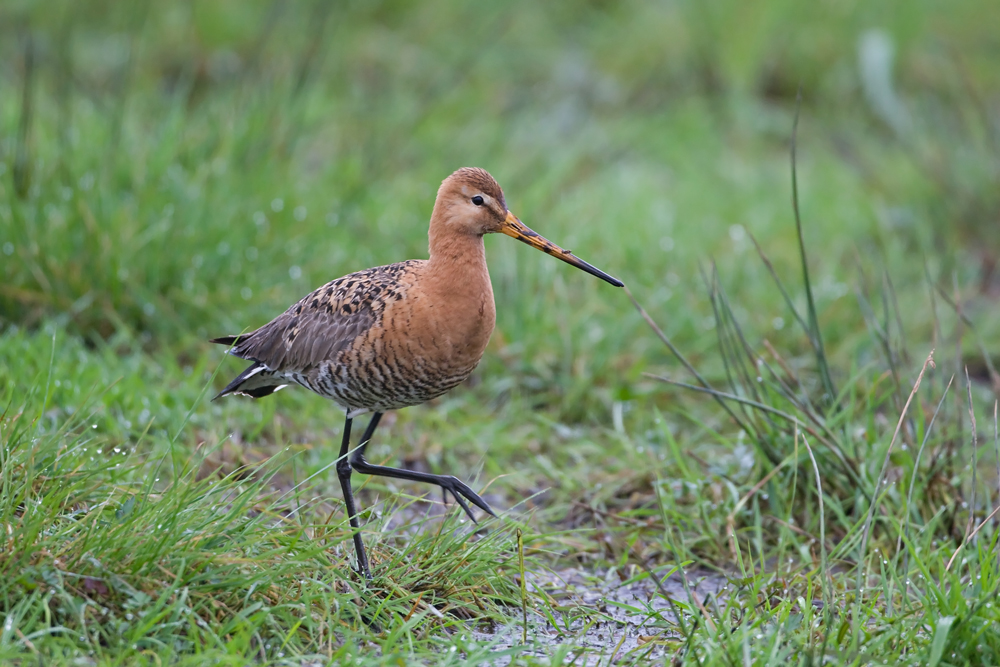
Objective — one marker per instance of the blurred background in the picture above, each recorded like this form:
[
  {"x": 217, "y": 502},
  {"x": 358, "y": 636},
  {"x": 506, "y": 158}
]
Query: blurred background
[
  {"x": 171, "y": 171},
  {"x": 177, "y": 170}
]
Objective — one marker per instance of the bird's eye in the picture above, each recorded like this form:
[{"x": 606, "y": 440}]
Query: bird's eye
[{"x": 477, "y": 200}]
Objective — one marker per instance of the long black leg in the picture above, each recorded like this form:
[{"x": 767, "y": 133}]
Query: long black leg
[
  {"x": 367, "y": 435},
  {"x": 457, "y": 487},
  {"x": 344, "y": 473}
]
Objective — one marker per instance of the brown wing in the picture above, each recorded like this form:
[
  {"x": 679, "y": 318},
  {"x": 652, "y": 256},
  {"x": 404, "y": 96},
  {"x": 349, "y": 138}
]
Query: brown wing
[{"x": 325, "y": 321}]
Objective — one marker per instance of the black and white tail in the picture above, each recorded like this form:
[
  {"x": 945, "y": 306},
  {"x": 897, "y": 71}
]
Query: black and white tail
[{"x": 256, "y": 381}]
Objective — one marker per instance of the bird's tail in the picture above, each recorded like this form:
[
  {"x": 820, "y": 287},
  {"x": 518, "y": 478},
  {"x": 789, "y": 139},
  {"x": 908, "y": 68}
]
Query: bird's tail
[
  {"x": 230, "y": 340},
  {"x": 257, "y": 381}
]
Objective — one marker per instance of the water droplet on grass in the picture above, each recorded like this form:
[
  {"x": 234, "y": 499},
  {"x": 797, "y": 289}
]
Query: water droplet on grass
[{"x": 277, "y": 204}]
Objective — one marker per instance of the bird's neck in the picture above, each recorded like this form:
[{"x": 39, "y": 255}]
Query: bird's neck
[
  {"x": 459, "y": 259},
  {"x": 457, "y": 275}
]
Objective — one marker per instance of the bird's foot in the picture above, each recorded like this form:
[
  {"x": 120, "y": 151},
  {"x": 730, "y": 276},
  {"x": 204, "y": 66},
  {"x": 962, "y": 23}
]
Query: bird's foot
[
  {"x": 448, "y": 483},
  {"x": 460, "y": 490}
]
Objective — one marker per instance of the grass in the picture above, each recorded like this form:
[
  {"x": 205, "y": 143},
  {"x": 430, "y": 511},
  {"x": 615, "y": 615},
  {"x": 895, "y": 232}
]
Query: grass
[{"x": 170, "y": 172}]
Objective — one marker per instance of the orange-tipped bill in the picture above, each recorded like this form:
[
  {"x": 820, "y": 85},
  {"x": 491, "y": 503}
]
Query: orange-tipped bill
[{"x": 517, "y": 229}]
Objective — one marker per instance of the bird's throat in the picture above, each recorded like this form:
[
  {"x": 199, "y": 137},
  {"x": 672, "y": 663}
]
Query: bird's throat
[
  {"x": 458, "y": 276},
  {"x": 458, "y": 261}
]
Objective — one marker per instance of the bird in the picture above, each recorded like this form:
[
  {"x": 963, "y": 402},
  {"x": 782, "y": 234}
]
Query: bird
[{"x": 394, "y": 336}]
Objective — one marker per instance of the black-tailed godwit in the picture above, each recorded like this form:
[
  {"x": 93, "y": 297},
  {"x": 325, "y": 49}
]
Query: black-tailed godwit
[{"x": 397, "y": 335}]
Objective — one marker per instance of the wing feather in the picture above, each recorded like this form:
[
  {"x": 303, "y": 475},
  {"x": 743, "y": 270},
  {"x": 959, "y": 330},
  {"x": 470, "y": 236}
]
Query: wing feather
[{"x": 324, "y": 322}]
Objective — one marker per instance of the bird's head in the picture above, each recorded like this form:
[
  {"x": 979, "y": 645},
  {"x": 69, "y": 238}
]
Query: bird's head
[{"x": 471, "y": 202}]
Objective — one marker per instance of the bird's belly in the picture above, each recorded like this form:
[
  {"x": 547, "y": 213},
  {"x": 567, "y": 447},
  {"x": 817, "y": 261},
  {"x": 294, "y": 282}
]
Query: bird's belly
[{"x": 380, "y": 382}]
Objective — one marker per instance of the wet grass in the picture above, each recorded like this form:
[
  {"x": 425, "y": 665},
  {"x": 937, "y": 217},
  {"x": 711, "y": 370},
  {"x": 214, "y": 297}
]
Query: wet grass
[{"x": 172, "y": 172}]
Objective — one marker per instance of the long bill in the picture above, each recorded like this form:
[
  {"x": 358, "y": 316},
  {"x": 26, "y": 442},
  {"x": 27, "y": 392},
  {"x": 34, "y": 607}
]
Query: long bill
[{"x": 518, "y": 230}]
